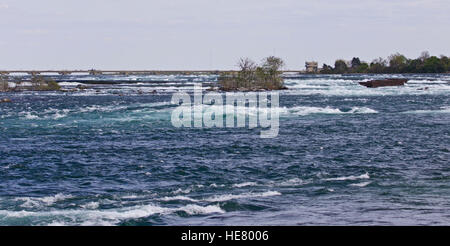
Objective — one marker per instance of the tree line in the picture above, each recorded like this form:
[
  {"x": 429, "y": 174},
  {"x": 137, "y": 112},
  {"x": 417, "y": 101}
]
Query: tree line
[{"x": 395, "y": 63}]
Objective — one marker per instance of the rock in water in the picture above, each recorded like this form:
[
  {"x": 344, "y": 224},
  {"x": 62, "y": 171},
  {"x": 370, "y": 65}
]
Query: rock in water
[
  {"x": 384, "y": 82},
  {"x": 5, "y": 100}
]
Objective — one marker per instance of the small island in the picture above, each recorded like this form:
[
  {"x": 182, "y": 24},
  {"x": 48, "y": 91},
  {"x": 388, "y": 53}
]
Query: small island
[
  {"x": 254, "y": 77},
  {"x": 36, "y": 83}
]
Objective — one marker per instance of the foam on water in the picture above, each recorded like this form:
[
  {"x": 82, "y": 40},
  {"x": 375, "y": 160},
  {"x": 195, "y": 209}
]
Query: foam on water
[
  {"x": 301, "y": 110},
  {"x": 282, "y": 111},
  {"x": 184, "y": 191},
  {"x": 56, "y": 114},
  {"x": 245, "y": 184},
  {"x": 442, "y": 110},
  {"x": 91, "y": 205},
  {"x": 351, "y": 87},
  {"x": 69, "y": 83},
  {"x": 31, "y": 202},
  {"x": 363, "y": 184},
  {"x": 175, "y": 198},
  {"x": 106, "y": 216},
  {"x": 362, "y": 176},
  {"x": 291, "y": 182},
  {"x": 222, "y": 198}
]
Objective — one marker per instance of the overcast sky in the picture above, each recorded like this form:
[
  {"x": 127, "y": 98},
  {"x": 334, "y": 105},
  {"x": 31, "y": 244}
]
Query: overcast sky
[{"x": 209, "y": 34}]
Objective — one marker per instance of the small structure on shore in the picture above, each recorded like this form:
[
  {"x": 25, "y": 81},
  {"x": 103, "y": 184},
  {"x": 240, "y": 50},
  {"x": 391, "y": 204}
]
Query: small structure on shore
[
  {"x": 312, "y": 67},
  {"x": 384, "y": 82}
]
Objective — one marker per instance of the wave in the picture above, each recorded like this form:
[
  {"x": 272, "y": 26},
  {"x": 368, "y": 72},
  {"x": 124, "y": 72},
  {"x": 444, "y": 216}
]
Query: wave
[
  {"x": 55, "y": 114},
  {"x": 31, "y": 202},
  {"x": 184, "y": 191},
  {"x": 291, "y": 182},
  {"x": 64, "y": 83},
  {"x": 46, "y": 114},
  {"x": 349, "y": 87},
  {"x": 90, "y": 205},
  {"x": 363, "y": 184},
  {"x": 107, "y": 216},
  {"x": 245, "y": 184},
  {"x": 297, "y": 110},
  {"x": 222, "y": 198},
  {"x": 30, "y": 116},
  {"x": 226, "y": 197},
  {"x": 445, "y": 110},
  {"x": 177, "y": 198},
  {"x": 300, "y": 110},
  {"x": 363, "y": 176}
]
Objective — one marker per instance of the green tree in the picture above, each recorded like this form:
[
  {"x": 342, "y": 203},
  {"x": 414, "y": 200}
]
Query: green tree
[
  {"x": 397, "y": 63},
  {"x": 340, "y": 66},
  {"x": 273, "y": 64},
  {"x": 415, "y": 66},
  {"x": 445, "y": 61},
  {"x": 326, "y": 69},
  {"x": 362, "y": 68},
  {"x": 378, "y": 65},
  {"x": 433, "y": 65},
  {"x": 271, "y": 76},
  {"x": 356, "y": 62}
]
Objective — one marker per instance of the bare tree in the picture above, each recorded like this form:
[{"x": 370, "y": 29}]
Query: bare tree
[
  {"x": 424, "y": 55},
  {"x": 246, "y": 64}
]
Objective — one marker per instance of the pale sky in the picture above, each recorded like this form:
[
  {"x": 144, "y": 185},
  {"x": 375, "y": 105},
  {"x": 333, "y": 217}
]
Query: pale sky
[{"x": 208, "y": 34}]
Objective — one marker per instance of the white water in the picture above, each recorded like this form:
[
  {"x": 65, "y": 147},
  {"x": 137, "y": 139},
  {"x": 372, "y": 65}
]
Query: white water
[
  {"x": 347, "y": 87},
  {"x": 362, "y": 176}
]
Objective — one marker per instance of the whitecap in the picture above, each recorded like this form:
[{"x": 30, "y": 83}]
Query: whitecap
[
  {"x": 445, "y": 109},
  {"x": 363, "y": 176},
  {"x": 109, "y": 216},
  {"x": 30, "y": 202},
  {"x": 175, "y": 198},
  {"x": 222, "y": 198},
  {"x": 245, "y": 184},
  {"x": 302, "y": 110},
  {"x": 363, "y": 184},
  {"x": 91, "y": 205},
  {"x": 292, "y": 182},
  {"x": 179, "y": 190},
  {"x": 30, "y": 116},
  {"x": 64, "y": 83},
  {"x": 196, "y": 209}
]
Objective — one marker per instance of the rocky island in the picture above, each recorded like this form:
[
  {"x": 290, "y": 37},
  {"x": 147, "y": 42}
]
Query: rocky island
[
  {"x": 36, "y": 83},
  {"x": 254, "y": 77}
]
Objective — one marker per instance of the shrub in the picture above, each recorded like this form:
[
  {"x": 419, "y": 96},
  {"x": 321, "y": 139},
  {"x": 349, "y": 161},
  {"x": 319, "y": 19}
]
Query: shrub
[{"x": 266, "y": 76}]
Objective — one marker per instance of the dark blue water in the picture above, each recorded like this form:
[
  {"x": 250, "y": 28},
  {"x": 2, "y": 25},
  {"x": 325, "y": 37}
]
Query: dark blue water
[{"x": 345, "y": 155}]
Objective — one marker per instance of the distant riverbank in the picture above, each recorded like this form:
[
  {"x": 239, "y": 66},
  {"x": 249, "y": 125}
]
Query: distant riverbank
[{"x": 395, "y": 63}]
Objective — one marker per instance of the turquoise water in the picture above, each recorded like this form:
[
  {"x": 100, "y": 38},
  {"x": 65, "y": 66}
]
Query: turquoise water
[{"x": 345, "y": 155}]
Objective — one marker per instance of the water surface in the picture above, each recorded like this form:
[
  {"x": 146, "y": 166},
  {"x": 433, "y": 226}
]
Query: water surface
[{"x": 345, "y": 155}]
